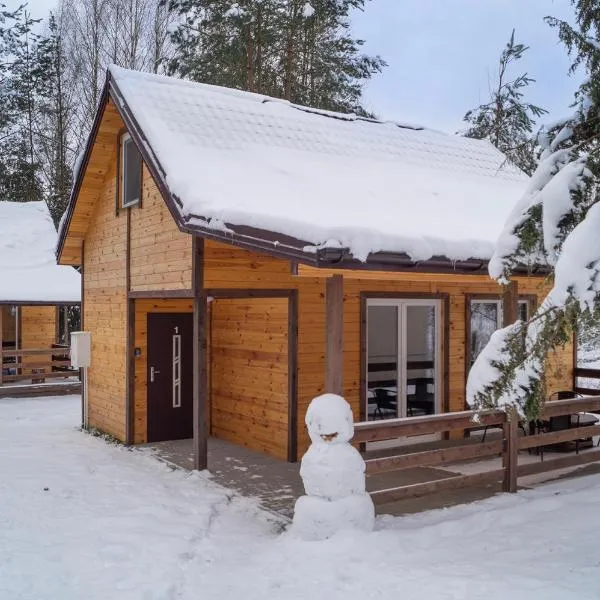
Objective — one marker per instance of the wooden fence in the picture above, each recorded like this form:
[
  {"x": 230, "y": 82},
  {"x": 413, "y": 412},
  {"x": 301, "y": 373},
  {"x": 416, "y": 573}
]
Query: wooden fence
[
  {"x": 35, "y": 365},
  {"x": 507, "y": 447},
  {"x": 593, "y": 374}
]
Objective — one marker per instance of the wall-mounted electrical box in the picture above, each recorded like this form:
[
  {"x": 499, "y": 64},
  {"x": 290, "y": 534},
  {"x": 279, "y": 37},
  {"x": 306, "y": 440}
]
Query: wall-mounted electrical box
[{"x": 81, "y": 349}]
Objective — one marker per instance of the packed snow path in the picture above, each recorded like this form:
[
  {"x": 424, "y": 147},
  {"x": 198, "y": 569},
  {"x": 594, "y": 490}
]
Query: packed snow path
[{"x": 81, "y": 518}]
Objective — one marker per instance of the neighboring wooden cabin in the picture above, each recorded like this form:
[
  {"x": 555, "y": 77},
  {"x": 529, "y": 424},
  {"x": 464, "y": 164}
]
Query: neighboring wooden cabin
[
  {"x": 206, "y": 321},
  {"x": 39, "y": 300}
]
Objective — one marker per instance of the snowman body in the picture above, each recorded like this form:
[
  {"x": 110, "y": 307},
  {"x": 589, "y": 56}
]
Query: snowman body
[{"x": 333, "y": 474}]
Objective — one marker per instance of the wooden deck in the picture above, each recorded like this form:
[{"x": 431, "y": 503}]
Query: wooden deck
[
  {"x": 29, "y": 372},
  {"x": 40, "y": 389}
]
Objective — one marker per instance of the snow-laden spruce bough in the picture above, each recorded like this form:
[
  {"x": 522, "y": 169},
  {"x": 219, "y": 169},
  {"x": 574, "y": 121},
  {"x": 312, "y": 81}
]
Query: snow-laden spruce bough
[{"x": 556, "y": 224}]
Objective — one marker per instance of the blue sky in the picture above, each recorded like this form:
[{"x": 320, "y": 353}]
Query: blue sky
[{"x": 442, "y": 54}]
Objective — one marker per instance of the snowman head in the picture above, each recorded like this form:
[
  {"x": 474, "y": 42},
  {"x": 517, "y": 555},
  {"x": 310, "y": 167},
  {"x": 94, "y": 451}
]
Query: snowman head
[{"x": 329, "y": 420}]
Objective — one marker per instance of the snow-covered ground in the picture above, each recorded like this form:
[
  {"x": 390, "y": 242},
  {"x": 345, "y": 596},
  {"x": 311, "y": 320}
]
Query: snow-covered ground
[{"x": 83, "y": 520}]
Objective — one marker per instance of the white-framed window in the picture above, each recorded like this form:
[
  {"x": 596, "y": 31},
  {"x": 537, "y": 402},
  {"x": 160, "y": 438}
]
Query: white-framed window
[
  {"x": 486, "y": 317},
  {"x": 131, "y": 172}
]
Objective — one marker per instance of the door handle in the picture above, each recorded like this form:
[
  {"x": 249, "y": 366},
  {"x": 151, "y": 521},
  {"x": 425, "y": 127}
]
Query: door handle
[{"x": 153, "y": 372}]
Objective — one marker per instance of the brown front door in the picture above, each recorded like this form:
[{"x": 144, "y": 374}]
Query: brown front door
[{"x": 170, "y": 374}]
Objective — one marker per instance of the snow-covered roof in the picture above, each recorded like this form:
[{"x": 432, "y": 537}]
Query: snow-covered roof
[
  {"x": 244, "y": 159},
  {"x": 28, "y": 269}
]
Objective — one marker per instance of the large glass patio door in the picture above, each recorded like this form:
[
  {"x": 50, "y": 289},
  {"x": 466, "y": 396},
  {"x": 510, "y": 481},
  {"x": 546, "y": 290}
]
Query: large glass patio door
[{"x": 403, "y": 358}]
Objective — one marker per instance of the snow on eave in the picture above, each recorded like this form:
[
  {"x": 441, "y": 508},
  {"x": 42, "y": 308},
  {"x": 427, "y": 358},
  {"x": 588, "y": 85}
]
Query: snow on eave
[
  {"x": 182, "y": 213},
  {"x": 28, "y": 270}
]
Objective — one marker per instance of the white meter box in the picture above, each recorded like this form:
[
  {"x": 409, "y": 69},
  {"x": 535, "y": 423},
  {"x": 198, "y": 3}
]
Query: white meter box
[{"x": 81, "y": 349}]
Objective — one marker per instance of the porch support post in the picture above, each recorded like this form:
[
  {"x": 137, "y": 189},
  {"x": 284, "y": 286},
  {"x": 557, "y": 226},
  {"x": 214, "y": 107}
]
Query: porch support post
[
  {"x": 334, "y": 340},
  {"x": 82, "y": 327},
  {"x": 200, "y": 378},
  {"x": 510, "y": 303},
  {"x": 130, "y": 398},
  {"x": 510, "y": 457}
]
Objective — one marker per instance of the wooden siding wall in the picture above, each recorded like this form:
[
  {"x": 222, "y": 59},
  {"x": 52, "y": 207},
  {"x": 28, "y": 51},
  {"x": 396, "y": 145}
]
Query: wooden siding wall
[
  {"x": 233, "y": 268},
  {"x": 38, "y": 331},
  {"x": 142, "y": 308},
  {"x": 160, "y": 258},
  {"x": 161, "y": 255},
  {"x": 227, "y": 267},
  {"x": 38, "y": 326},
  {"x": 456, "y": 288},
  {"x": 101, "y": 165},
  {"x": 105, "y": 309},
  {"x": 249, "y": 373}
]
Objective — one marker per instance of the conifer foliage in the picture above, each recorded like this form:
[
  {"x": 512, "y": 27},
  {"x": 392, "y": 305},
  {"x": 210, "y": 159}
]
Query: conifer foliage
[
  {"x": 293, "y": 49},
  {"x": 21, "y": 83},
  {"x": 556, "y": 225},
  {"x": 52, "y": 71},
  {"x": 507, "y": 120}
]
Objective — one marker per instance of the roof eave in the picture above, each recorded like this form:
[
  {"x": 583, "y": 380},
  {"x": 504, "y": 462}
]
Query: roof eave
[
  {"x": 62, "y": 234},
  {"x": 250, "y": 238}
]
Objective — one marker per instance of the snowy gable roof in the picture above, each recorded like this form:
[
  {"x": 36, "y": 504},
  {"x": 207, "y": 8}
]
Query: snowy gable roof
[
  {"x": 242, "y": 159},
  {"x": 28, "y": 269}
]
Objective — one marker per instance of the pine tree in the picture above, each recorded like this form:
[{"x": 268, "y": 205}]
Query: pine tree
[
  {"x": 556, "y": 224},
  {"x": 507, "y": 121},
  {"x": 96, "y": 33},
  {"x": 21, "y": 81},
  {"x": 292, "y": 49},
  {"x": 55, "y": 118}
]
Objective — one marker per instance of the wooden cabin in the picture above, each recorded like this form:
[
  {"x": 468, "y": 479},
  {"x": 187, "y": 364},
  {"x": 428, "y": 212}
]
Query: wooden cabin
[
  {"x": 39, "y": 300},
  {"x": 241, "y": 255}
]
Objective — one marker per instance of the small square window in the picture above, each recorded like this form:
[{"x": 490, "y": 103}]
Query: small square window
[
  {"x": 486, "y": 317},
  {"x": 131, "y": 172}
]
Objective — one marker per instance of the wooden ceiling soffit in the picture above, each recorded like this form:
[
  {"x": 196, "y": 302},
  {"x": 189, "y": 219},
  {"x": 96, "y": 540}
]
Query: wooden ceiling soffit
[{"x": 90, "y": 181}]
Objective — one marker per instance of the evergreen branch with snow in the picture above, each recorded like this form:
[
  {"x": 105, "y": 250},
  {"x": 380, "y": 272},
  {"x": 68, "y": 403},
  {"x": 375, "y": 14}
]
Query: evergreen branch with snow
[{"x": 555, "y": 225}]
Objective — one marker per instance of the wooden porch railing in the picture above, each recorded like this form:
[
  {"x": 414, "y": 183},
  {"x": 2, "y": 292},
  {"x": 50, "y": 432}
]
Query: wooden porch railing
[
  {"x": 35, "y": 364},
  {"x": 507, "y": 447},
  {"x": 593, "y": 374}
]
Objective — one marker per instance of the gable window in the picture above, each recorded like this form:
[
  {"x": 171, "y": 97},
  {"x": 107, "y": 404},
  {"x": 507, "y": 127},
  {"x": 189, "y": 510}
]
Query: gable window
[
  {"x": 131, "y": 172},
  {"x": 485, "y": 318}
]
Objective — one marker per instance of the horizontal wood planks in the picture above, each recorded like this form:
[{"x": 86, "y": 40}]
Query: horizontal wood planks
[
  {"x": 105, "y": 308},
  {"x": 38, "y": 330},
  {"x": 440, "y": 485},
  {"x": 161, "y": 255},
  {"x": 249, "y": 373},
  {"x": 102, "y": 160},
  {"x": 161, "y": 262},
  {"x": 227, "y": 267},
  {"x": 142, "y": 308},
  {"x": 230, "y": 267}
]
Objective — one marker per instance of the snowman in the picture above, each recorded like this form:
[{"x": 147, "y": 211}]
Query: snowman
[{"x": 333, "y": 473}]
